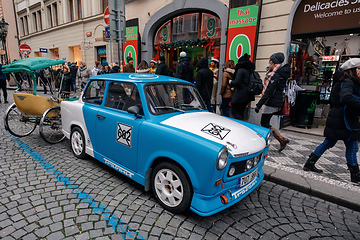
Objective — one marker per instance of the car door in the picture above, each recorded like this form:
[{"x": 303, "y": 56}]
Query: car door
[{"x": 118, "y": 130}]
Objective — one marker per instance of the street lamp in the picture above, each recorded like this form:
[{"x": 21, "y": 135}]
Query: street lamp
[{"x": 3, "y": 33}]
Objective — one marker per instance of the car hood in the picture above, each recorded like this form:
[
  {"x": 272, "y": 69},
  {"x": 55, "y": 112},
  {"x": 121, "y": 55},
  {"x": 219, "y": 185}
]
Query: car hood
[{"x": 239, "y": 139}]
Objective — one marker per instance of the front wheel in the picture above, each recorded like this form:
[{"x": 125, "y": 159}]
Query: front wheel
[
  {"x": 50, "y": 126},
  {"x": 17, "y": 123},
  {"x": 171, "y": 187},
  {"x": 77, "y": 142}
]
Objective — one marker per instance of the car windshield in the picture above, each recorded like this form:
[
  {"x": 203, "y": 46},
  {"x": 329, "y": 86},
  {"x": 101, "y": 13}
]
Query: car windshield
[{"x": 169, "y": 97}]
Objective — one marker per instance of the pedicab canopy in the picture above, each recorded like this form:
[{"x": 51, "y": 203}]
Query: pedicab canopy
[{"x": 30, "y": 65}]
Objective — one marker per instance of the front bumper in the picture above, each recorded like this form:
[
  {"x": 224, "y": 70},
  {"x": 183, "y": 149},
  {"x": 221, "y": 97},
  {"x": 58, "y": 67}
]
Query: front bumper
[{"x": 209, "y": 205}]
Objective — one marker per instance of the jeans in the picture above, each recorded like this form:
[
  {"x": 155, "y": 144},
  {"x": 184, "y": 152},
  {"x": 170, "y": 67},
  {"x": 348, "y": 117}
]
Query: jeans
[
  {"x": 225, "y": 106},
  {"x": 352, "y": 147}
]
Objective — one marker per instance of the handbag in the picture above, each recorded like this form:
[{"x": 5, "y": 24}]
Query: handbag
[{"x": 285, "y": 110}]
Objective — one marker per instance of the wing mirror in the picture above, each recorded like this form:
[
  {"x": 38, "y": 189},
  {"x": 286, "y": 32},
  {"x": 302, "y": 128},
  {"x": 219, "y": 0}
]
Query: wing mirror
[{"x": 134, "y": 110}]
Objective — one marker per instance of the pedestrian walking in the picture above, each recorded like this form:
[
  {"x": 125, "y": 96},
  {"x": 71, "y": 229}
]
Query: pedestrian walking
[
  {"x": 273, "y": 95},
  {"x": 129, "y": 67},
  {"x": 67, "y": 82},
  {"x": 143, "y": 67},
  {"x": 105, "y": 68},
  {"x": 73, "y": 70},
  {"x": 342, "y": 122},
  {"x": 163, "y": 69},
  {"x": 153, "y": 66},
  {"x": 3, "y": 78},
  {"x": 185, "y": 69},
  {"x": 115, "y": 68},
  {"x": 226, "y": 90},
  {"x": 205, "y": 82},
  {"x": 242, "y": 96},
  {"x": 82, "y": 76},
  {"x": 214, "y": 65}
]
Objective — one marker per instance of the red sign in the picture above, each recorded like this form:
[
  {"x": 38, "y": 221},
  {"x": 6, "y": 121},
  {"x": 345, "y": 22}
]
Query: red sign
[
  {"x": 25, "y": 49},
  {"x": 88, "y": 34},
  {"x": 330, "y": 58},
  {"x": 107, "y": 16},
  {"x": 130, "y": 48}
]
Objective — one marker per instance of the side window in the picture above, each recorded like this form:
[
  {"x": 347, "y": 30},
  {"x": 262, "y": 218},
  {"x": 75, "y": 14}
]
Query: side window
[
  {"x": 122, "y": 96},
  {"x": 94, "y": 92}
]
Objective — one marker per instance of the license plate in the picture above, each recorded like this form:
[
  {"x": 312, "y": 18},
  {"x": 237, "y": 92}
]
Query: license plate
[{"x": 246, "y": 179}]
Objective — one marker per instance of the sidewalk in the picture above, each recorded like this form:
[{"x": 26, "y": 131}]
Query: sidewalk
[{"x": 285, "y": 168}]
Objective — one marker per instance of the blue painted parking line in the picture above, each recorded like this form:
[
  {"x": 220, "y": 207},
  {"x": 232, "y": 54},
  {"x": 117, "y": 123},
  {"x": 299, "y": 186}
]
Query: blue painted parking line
[{"x": 97, "y": 208}]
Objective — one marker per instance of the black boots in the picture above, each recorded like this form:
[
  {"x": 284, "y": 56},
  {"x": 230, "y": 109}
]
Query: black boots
[
  {"x": 283, "y": 141},
  {"x": 354, "y": 173},
  {"x": 310, "y": 164}
]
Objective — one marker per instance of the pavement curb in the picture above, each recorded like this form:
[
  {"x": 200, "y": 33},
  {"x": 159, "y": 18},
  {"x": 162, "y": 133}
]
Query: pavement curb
[{"x": 325, "y": 191}]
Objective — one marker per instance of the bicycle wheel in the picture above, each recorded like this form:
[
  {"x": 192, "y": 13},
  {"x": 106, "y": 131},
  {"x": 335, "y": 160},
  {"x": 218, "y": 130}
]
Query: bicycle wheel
[
  {"x": 50, "y": 125},
  {"x": 17, "y": 123}
]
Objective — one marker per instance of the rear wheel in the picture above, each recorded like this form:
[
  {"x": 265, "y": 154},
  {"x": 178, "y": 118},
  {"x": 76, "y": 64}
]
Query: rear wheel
[
  {"x": 19, "y": 124},
  {"x": 77, "y": 141},
  {"x": 171, "y": 187},
  {"x": 50, "y": 126}
]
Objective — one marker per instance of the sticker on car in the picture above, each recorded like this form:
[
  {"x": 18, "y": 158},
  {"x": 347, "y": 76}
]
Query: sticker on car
[
  {"x": 216, "y": 131},
  {"x": 124, "y": 133}
]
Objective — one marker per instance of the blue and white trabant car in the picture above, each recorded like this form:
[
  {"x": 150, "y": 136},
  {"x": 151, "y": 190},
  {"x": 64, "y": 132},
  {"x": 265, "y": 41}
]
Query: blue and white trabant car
[{"x": 156, "y": 130}]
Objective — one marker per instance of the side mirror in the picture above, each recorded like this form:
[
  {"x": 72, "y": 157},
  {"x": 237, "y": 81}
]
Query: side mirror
[{"x": 134, "y": 110}]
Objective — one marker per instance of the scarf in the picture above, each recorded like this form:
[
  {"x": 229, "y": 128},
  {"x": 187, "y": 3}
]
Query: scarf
[{"x": 269, "y": 75}]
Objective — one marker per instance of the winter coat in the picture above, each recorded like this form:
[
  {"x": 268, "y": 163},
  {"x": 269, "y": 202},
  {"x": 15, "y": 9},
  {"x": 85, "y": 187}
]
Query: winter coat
[
  {"x": 185, "y": 70},
  {"x": 115, "y": 69},
  {"x": 163, "y": 69},
  {"x": 83, "y": 75},
  {"x": 341, "y": 95},
  {"x": 273, "y": 95},
  {"x": 204, "y": 79},
  {"x": 226, "y": 91},
  {"x": 241, "y": 83},
  {"x": 67, "y": 83},
  {"x": 129, "y": 68},
  {"x": 143, "y": 70},
  {"x": 73, "y": 70}
]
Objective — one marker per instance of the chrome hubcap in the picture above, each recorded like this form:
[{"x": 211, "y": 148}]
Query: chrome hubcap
[{"x": 168, "y": 187}]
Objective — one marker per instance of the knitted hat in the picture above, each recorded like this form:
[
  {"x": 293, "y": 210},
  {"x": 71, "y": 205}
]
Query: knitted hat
[
  {"x": 128, "y": 58},
  {"x": 351, "y": 63},
  {"x": 277, "y": 58},
  {"x": 153, "y": 60},
  {"x": 105, "y": 63},
  {"x": 116, "y": 62},
  {"x": 183, "y": 55},
  {"x": 215, "y": 59}
]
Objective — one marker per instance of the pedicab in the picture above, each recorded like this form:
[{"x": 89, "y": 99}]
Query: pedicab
[{"x": 30, "y": 109}]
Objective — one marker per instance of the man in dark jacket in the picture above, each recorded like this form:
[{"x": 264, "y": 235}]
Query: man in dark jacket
[
  {"x": 73, "y": 71},
  {"x": 204, "y": 82},
  {"x": 185, "y": 70},
  {"x": 115, "y": 68},
  {"x": 242, "y": 96},
  {"x": 129, "y": 67},
  {"x": 163, "y": 69},
  {"x": 3, "y": 78}
]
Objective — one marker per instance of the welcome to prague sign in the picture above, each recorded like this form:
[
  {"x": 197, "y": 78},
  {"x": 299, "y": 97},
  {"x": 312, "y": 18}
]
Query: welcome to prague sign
[{"x": 242, "y": 32}]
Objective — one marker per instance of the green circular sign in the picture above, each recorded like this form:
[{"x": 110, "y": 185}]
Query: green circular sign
[
  {"x": 130, "y": 51},
  {"x": 164, "y": 33},
  {"x": 211, "y": 27},
  {"x": 242, "y": 41}
]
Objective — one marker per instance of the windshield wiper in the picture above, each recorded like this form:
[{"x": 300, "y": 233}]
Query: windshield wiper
[
  {"x": 168, "y": 107},
  {"x": 190, "y": 106}
]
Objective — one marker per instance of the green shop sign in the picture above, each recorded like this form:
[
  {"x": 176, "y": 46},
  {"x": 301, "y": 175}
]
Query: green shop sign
[
  {"x": 243, "y": 16},
  {"x": 131, "y": 33}
]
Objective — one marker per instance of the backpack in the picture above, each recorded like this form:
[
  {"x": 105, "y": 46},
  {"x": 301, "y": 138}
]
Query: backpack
[
  {"x": 256, "y": 84},
  {"x": 47, "y": 73}
]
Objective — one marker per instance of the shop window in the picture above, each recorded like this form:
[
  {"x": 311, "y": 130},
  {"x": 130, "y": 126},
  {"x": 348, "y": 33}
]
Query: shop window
[{"x": 185, "y": 27}]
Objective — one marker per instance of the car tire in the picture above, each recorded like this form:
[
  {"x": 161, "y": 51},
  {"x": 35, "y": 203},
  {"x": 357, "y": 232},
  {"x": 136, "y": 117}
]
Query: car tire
[
  {"x": 77, "y": 143},
  {"x": 171, "y": 187}
]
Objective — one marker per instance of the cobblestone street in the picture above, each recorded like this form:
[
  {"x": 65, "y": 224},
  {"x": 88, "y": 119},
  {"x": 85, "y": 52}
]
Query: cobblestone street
[{"x": 46, "y": 193}]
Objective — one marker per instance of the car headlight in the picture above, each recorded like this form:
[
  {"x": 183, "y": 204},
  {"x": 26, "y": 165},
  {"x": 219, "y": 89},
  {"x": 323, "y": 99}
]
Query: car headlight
[
  {"x": 268, "y": 141},
  {"x": 257, "y": 159},
  {"x": 222, "y": 159},
  {"x": 249, "y": 164},
  {"x": 232, "y": 171}
]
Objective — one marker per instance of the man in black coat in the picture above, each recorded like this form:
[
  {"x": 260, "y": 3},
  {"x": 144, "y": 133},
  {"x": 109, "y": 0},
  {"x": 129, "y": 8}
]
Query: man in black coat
[
  {"x": 242, "y": 96},
  {"x": 185, "y": 70},
  {"x": 204, "y": 82},
  {"x": 115, "y": 68},
  {"x": 73, "y": 71},
  {"x": 163, "y": 69}
]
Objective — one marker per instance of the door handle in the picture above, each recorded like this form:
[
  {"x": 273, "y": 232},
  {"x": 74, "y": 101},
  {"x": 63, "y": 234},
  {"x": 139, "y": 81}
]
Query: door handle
[{"x": 99, "y": 116}]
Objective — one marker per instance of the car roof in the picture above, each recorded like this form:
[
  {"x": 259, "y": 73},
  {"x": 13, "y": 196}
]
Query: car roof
[{"x": 138, "y": 78}]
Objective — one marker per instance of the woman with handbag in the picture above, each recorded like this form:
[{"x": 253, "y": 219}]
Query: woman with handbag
[
  {"x": 226, "y": 91},
  {"x": 342, "y": 122},
  {"x": 273, "y": 95}
]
